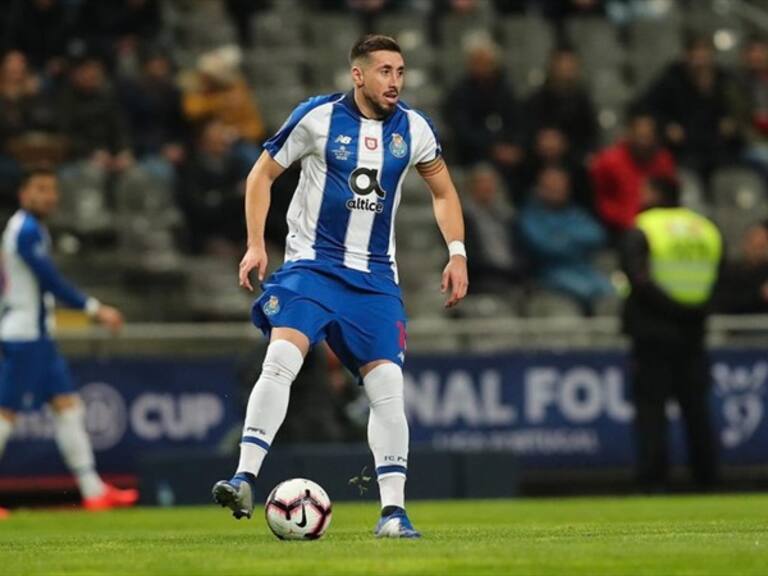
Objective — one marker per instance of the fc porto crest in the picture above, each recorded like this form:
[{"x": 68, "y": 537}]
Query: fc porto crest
[
  {"x": 271, "y": 306},
  {"x": 397, "y": 146}
]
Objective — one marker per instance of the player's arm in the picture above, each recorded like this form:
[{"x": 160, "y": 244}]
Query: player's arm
[
  {"x": 32, "y": 251},
  {"x": 257, "y": 196},
  {"x": 447, "y": 207}
]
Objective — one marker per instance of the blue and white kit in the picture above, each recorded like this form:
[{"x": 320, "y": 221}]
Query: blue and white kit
[
  {"x": 339, "y": 281},
  {"x": 31, "y": 366}
]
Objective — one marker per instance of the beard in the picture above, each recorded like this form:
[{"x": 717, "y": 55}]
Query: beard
[{"x": 381, "y": 110}]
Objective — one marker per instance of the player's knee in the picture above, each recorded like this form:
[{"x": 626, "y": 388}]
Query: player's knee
[
  {"x": 65, "y": 402},
  {"x": 8, "y": 415},
  {"x": 384, "y": 385},
  {"x": 71, "y": 413},
  {"x": 282, "y": 361}
]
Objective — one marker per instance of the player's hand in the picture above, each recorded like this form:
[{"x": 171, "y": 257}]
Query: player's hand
[
  {"x": 110, "y": 317},
  {"x": 254, "y": 258},
  {"x": 455, "y": 280}
]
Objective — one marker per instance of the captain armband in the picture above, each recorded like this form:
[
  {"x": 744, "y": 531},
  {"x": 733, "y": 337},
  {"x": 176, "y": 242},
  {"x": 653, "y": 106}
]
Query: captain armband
[{"x": 427, "y": 169}]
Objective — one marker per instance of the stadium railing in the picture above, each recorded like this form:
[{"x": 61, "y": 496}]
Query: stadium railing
[{"x": 424, "y": 335}]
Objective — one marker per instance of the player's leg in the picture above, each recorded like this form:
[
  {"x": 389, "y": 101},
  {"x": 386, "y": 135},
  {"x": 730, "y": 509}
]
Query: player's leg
[
  {"x": 388, "y": 439},
  {"x": 369, "y": 338},
  {"x": 7, "y": 419},
  {"x": 17, "y": 373},
  {"x": 267, "y": 407},
  {"x": 77, "y": 452},
  {"x": 57, "y": 387},
  {"x": 268, "y": 402}
]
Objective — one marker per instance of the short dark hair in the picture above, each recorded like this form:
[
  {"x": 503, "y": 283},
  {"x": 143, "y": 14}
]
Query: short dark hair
[
  {"x": 373, "y": 43},
  {"x": 34, "y": 172}
]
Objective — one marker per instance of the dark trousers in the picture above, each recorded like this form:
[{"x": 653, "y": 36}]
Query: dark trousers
[{"x": 679, "y": 372}]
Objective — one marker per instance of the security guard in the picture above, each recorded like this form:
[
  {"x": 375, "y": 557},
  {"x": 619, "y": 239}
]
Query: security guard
[{"x": 672, "y": 260}]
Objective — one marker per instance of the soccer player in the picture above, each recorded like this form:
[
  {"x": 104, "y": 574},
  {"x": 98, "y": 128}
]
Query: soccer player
[
  {"x": 339, "y": 279},
  {"x": 31, "y": 365}
]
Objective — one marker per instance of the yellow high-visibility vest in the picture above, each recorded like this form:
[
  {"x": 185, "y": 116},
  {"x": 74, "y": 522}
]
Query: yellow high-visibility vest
[{"x": 685, "y": 251}]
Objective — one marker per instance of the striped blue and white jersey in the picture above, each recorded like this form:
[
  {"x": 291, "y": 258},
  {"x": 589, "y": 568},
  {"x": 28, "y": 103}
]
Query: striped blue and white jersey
[
  {"x": 31, "y": 282},
  {"x": 352, "y": 168}
]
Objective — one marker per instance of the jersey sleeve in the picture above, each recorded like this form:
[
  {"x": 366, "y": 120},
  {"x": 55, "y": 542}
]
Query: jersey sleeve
[
  {"x": 32, "y": 249},
  {"x": 294, "y": 139},
  {"x": 426, "y": 143}
]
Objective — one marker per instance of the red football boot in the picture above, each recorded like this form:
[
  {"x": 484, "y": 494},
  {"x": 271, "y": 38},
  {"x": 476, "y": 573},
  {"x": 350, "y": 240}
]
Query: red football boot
[
  {"x": 111, "y": 498},
  {"x": 4, "y": 513}
]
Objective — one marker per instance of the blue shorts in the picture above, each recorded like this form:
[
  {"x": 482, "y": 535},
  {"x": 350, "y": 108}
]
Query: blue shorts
[
  {"x": 31, "y": 374},
  {"x": 360, "y": 325}
]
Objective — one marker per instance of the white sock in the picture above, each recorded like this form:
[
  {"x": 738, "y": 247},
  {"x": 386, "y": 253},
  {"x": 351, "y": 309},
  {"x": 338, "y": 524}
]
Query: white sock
[
  {"x": 75, "y": 448},
  {"x": 388, "y": 431},
  {"x": 6, "y": 427},
  {"x": 268, "y": 403}
]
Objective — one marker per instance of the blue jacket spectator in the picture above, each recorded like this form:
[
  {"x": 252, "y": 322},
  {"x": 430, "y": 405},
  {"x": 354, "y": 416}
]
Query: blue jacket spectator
[{"x": 561, "y": 238}]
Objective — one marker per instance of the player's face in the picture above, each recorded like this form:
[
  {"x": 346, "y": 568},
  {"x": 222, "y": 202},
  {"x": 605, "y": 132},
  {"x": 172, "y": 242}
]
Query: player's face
[
  {"x": 380, "y": 79},
  {"x": 40, "y": 195}
]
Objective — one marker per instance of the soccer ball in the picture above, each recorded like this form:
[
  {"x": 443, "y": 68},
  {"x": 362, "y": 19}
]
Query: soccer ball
[{"x": 298, "y": 509}]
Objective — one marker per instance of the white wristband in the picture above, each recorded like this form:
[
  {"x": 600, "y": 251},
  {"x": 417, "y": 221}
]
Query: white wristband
[
  {"x": 92, "y": 307},
  {"x": 456, "y": 248}
]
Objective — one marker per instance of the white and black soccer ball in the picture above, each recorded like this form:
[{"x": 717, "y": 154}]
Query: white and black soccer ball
[{"x": 298, "y": 509}]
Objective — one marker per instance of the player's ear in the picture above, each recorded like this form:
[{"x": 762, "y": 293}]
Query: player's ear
[{"x": 357, "y": 75}]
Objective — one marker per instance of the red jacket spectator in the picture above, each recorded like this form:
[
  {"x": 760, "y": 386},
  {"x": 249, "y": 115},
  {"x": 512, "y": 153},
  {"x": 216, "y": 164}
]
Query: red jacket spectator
[{"x": 618, "y": 173}]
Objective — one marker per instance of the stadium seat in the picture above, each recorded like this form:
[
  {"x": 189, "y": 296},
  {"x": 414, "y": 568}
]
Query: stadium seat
[
  {"x": 547, "y": 304},
  {"x": 278, "y": 30},
  {"x": 654, "y": 43},
  {"x": 455, "y": 31},
  {"x": 83, "y": 207},
  {"x": 527, "y": 42},
  {"x": 199, "y": 26},
  {"x": 597, "y": 42},
  {"x": 410, "y": 29},
  {"x": 692, "y": 191},
  {"x": 739, "y": 200},
  {"x": 147, "y": 217}
]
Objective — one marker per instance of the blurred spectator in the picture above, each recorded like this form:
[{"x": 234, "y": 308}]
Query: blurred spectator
[
  {"x": 754, "y": 102},
  {"x": 618, "y": 172},
  {"x": 39, "y": 29},
  {"x": 212, "y": 192},
  {"x": 561, "y": 238},
  {"x": 551, "y": 147},
  {"x": 23, "y": 109},
  {"x": 743, "y": 286},
  {"x": 217, "y": 90},
  {"x": 116, "y": 29},
  {"x": 152, "y": 103},
  {"x": 90, "y": 116},
  {"x": 481, "y": 112},
  {"x": 672, "y": 261},
  {"x": 563, "y": 101},
  {"x": 694, "y": 102},
  {"x": 494, "y": 263}
]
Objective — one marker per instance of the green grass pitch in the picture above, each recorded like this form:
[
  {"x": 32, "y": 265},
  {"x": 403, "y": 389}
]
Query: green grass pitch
[{"x": 654, "y": 535}]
